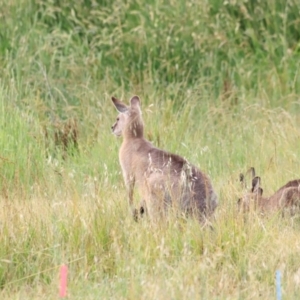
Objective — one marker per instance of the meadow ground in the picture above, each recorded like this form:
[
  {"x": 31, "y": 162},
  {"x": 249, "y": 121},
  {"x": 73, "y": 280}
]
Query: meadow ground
[{"x": 219, "y": 84}]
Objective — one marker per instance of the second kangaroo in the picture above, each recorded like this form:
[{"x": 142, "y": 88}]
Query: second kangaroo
[
  {"x": 285, "y": 198},
  {"x": 164, "y": 180}
]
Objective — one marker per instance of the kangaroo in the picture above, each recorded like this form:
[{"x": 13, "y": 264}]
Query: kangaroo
[
  {"x": 163, "y": 179},
  {"x": 287, "y": 197}
]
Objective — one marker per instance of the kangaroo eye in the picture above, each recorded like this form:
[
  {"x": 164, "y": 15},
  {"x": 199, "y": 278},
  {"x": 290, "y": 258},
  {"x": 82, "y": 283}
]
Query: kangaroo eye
[{"x": 118, "y": 119}]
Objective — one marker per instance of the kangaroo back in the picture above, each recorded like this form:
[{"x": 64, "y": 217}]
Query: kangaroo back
[
  {"x": 288, "y": 197},
  {"x": 164, "y": 179}
]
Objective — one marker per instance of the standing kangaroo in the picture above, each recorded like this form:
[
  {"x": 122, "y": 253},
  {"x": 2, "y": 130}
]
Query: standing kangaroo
[
  {"x": 287, "y": 197},
  {"x": 163, "y": 179}
]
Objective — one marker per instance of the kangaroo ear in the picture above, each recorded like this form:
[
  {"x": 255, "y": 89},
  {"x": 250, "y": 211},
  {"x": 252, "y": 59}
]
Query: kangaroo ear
[
  {"x": 252, "y": 170},
  {"x": 135, "y": 102},
  {"x": 120, "y": 106},
  {"x": 242, "y": 180},
  {"x": 256, "y": 185}
]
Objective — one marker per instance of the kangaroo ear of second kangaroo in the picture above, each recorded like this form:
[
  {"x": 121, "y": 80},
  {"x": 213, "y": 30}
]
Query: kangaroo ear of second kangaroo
[
  {"x": 120, "y": 106},
  {"x": 256, "y": 184},
  {"x": 242, "y": 178}
]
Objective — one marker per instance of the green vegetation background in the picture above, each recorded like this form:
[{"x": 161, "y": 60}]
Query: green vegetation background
[{"x": 219, "y": 83}]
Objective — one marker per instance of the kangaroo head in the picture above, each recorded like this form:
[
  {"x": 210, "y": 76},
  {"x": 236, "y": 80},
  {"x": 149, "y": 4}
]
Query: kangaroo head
[
  {"x": 129, "y": 123},
  {"x": 254, "y": 196}
]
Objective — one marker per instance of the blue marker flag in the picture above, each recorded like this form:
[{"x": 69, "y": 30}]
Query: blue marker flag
[{"x": 278, "y": 285}]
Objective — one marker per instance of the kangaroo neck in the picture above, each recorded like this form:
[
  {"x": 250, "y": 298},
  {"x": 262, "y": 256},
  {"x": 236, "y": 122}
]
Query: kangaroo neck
[{"x": 134, "y": 130}]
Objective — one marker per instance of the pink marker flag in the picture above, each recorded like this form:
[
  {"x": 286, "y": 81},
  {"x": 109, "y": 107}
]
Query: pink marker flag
[{"x": 63, "y": 281}]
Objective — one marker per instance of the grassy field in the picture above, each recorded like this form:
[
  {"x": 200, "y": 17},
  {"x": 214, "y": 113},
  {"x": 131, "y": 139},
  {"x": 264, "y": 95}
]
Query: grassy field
[{"x": 219, "y": 83}]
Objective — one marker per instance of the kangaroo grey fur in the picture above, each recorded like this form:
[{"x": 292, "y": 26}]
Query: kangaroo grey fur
[{"x": 164, "y": 180}]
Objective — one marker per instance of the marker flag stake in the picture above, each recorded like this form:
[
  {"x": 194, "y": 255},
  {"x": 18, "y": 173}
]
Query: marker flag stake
[
  {"x": 278, "y": 285},
  {"x": 63, "y": 281}
]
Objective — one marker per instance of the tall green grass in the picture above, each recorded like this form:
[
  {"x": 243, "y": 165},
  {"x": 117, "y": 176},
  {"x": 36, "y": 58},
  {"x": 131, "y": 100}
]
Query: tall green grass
[{"x": 219, "y": 84}]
